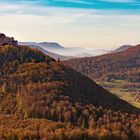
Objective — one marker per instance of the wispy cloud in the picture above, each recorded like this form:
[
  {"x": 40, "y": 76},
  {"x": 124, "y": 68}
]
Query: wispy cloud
[
  {"x": 76, "y": 1},
  {"x": 119, "y": 1}
]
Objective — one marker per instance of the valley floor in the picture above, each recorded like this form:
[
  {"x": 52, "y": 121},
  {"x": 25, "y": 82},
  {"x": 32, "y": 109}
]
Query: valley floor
[{"x": 127, "y": 91}]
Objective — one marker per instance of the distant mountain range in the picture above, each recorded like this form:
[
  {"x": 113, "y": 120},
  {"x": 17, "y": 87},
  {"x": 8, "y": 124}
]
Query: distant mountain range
[
  {"x": 53, "y": 55},
  {"x": 57, "y": 50},
  {"x": 45, "y": 45}
]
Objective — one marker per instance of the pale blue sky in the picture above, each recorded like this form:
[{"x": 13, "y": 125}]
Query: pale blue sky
[{"x": 73, "y": 23}]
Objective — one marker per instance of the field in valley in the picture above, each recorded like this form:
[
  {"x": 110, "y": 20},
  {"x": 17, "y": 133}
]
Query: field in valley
[{"x": 125, "y": 90}]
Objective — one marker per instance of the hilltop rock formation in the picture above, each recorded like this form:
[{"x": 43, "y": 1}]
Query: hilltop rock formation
[{"x": 4, "y": 40}]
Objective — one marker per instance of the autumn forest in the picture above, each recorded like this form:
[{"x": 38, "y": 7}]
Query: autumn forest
[{"x": 41, "y": 98}]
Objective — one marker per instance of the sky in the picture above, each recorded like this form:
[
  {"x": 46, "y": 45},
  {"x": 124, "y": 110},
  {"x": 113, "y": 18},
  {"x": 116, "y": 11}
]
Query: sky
[{"x": 99, "y": 24}]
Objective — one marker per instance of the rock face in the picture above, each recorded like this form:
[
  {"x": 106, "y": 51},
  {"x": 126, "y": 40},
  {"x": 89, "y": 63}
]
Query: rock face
[{"x": 4, "y": 40}]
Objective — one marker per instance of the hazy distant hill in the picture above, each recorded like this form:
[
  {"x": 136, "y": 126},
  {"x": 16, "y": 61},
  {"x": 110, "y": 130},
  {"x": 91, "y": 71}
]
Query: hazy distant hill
[
  {"x": 51, "y": 45},
  {"x": 53, "y": 55},
  {"x": 47, "y": 45},
  {"x": 41, "y": 96},
  {"x": 66, "y": 52},
  {"x": 123, "y": 48}
]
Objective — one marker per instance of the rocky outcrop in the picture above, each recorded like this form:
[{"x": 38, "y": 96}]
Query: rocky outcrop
[{"x": 4, "y": 40}]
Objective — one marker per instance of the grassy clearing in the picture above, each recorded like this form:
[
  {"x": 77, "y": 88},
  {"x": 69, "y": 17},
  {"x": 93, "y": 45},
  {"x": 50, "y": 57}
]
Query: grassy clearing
[{"x": 124, "y": 90}]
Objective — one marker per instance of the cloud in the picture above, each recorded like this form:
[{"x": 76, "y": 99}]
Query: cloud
[
  {"x": 76, "y": 1},
  {"x": 119, "y": 1},
  {"x": 81, "y": 4},
  {"x": 34, "y": 9}
]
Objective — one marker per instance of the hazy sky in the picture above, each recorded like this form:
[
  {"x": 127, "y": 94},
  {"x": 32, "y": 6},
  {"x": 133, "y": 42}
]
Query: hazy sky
[{"x": 73, "y": 23}]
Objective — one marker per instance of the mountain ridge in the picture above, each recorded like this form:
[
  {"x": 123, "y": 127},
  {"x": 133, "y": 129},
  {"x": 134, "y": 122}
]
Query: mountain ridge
[
  {"x": 67, "y": 52},
  {"x": 115, "y": 61}
]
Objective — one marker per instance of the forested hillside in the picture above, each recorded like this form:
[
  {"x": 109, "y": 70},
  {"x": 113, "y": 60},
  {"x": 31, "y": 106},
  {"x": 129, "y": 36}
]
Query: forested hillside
[
  {"x": 41, "y": 98},
  {"x": 109, "y": 65},
  {"x": 118, "y": 72}
]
